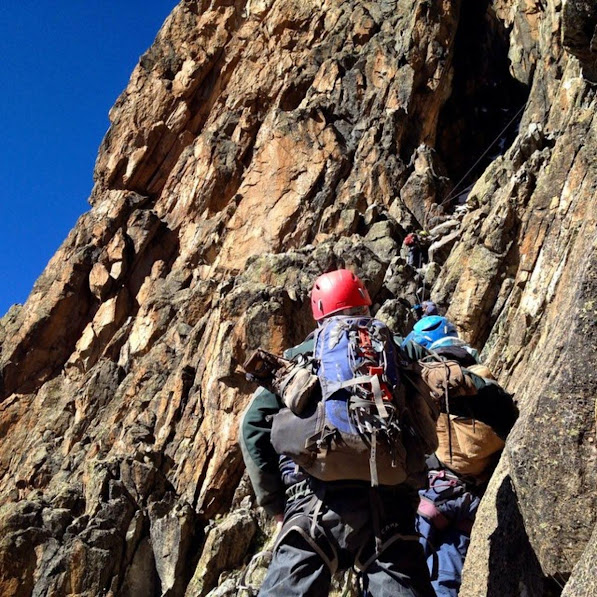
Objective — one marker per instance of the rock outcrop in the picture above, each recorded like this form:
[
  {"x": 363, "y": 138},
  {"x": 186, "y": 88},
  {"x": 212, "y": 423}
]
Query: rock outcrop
[{"x": 257, "y": 144}]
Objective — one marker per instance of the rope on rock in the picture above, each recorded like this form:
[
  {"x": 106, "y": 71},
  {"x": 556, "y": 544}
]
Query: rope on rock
[{"x": 500, "y": 134}]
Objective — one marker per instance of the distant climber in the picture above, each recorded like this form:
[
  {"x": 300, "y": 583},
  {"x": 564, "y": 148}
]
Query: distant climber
[
  {"x": 424, "y": 309},
  {"x": 357, "y": 509},
  {"x": 471, "y": 437},
  {"x": 416, "y": 245}
]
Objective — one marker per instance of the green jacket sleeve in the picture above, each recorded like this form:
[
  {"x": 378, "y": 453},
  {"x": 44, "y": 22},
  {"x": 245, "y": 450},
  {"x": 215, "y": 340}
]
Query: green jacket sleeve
[
  {"x": 261, "y": 460},
  {"x": 259, "y": 455},
  {"x": 491, "y": 405}
]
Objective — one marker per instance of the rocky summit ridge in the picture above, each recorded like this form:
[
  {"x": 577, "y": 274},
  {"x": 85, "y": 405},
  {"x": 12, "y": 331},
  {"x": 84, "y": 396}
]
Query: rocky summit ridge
[{"x": 257, "y": 144}]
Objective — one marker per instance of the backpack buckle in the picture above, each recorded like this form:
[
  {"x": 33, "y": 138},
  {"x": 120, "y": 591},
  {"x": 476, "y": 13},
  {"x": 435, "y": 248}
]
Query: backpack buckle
[{"x": 386, "y": 394}]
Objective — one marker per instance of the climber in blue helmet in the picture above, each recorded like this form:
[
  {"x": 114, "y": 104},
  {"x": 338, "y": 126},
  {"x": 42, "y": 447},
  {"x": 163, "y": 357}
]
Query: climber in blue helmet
[
  {"x": 424, "y": 309},
  {"x": 469, "y": 448}
]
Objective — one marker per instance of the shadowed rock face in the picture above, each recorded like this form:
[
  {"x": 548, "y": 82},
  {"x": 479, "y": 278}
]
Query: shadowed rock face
[{"x": 257, "y": 145}]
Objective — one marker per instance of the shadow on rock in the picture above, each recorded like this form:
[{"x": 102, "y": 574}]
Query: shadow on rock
[{"x": 513, "y": 565}]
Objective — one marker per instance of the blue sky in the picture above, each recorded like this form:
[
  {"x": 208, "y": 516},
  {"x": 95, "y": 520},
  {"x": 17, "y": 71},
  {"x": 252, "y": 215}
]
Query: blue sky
[{"x": 63, "y": 66}]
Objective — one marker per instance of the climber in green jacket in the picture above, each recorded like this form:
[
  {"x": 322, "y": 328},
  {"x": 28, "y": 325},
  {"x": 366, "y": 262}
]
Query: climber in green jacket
[{"x": 331, "y": 525}]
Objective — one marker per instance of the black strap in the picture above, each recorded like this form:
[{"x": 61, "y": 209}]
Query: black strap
[
  {"x": 446, "y": 385},
  {"x": 377, "y": 512}
]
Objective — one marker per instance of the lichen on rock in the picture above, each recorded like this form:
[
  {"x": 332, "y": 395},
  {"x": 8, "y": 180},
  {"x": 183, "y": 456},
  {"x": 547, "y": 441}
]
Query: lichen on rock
[{"x": 257, "y": 145}]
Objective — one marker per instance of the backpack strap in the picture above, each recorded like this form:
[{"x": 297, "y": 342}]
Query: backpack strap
[
  {"x": 373, "y": 460},
  {"x": 447, "y": 402},
  {"x": 377, "y": 397},
  {"x": 341, "y": 385}
]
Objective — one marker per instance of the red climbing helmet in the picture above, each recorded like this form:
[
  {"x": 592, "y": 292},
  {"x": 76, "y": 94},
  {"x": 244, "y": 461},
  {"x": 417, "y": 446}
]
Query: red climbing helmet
[{"x": 337, "y": 290}]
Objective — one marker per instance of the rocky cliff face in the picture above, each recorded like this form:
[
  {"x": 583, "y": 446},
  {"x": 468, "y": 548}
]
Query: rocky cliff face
[{"x": 258, "y": 144}]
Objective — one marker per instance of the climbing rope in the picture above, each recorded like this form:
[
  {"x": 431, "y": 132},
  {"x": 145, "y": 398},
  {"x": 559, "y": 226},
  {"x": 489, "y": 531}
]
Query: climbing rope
[
  {"x": 457, "y": 187},
  {"x": 500, "y": 134}
]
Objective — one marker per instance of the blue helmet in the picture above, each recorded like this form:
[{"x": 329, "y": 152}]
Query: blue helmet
[
  {"x": 430, "y": 329},
  {"x": 429, "y": 308}
]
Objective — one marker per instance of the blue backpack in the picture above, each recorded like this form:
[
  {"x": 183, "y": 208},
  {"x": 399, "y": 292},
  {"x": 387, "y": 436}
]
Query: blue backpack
[
  {"x": 356, "y": 357},
  {"x": 360, "y": 428}
]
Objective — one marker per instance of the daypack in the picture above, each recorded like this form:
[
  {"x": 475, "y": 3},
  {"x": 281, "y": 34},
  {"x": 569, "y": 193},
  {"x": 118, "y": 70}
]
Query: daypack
[
  {"x": 472, "y": 433},
  {"x": 431, "y": 329},
  {"x": 467, "y": 446},
  {"x": 365, "y": 426}
]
